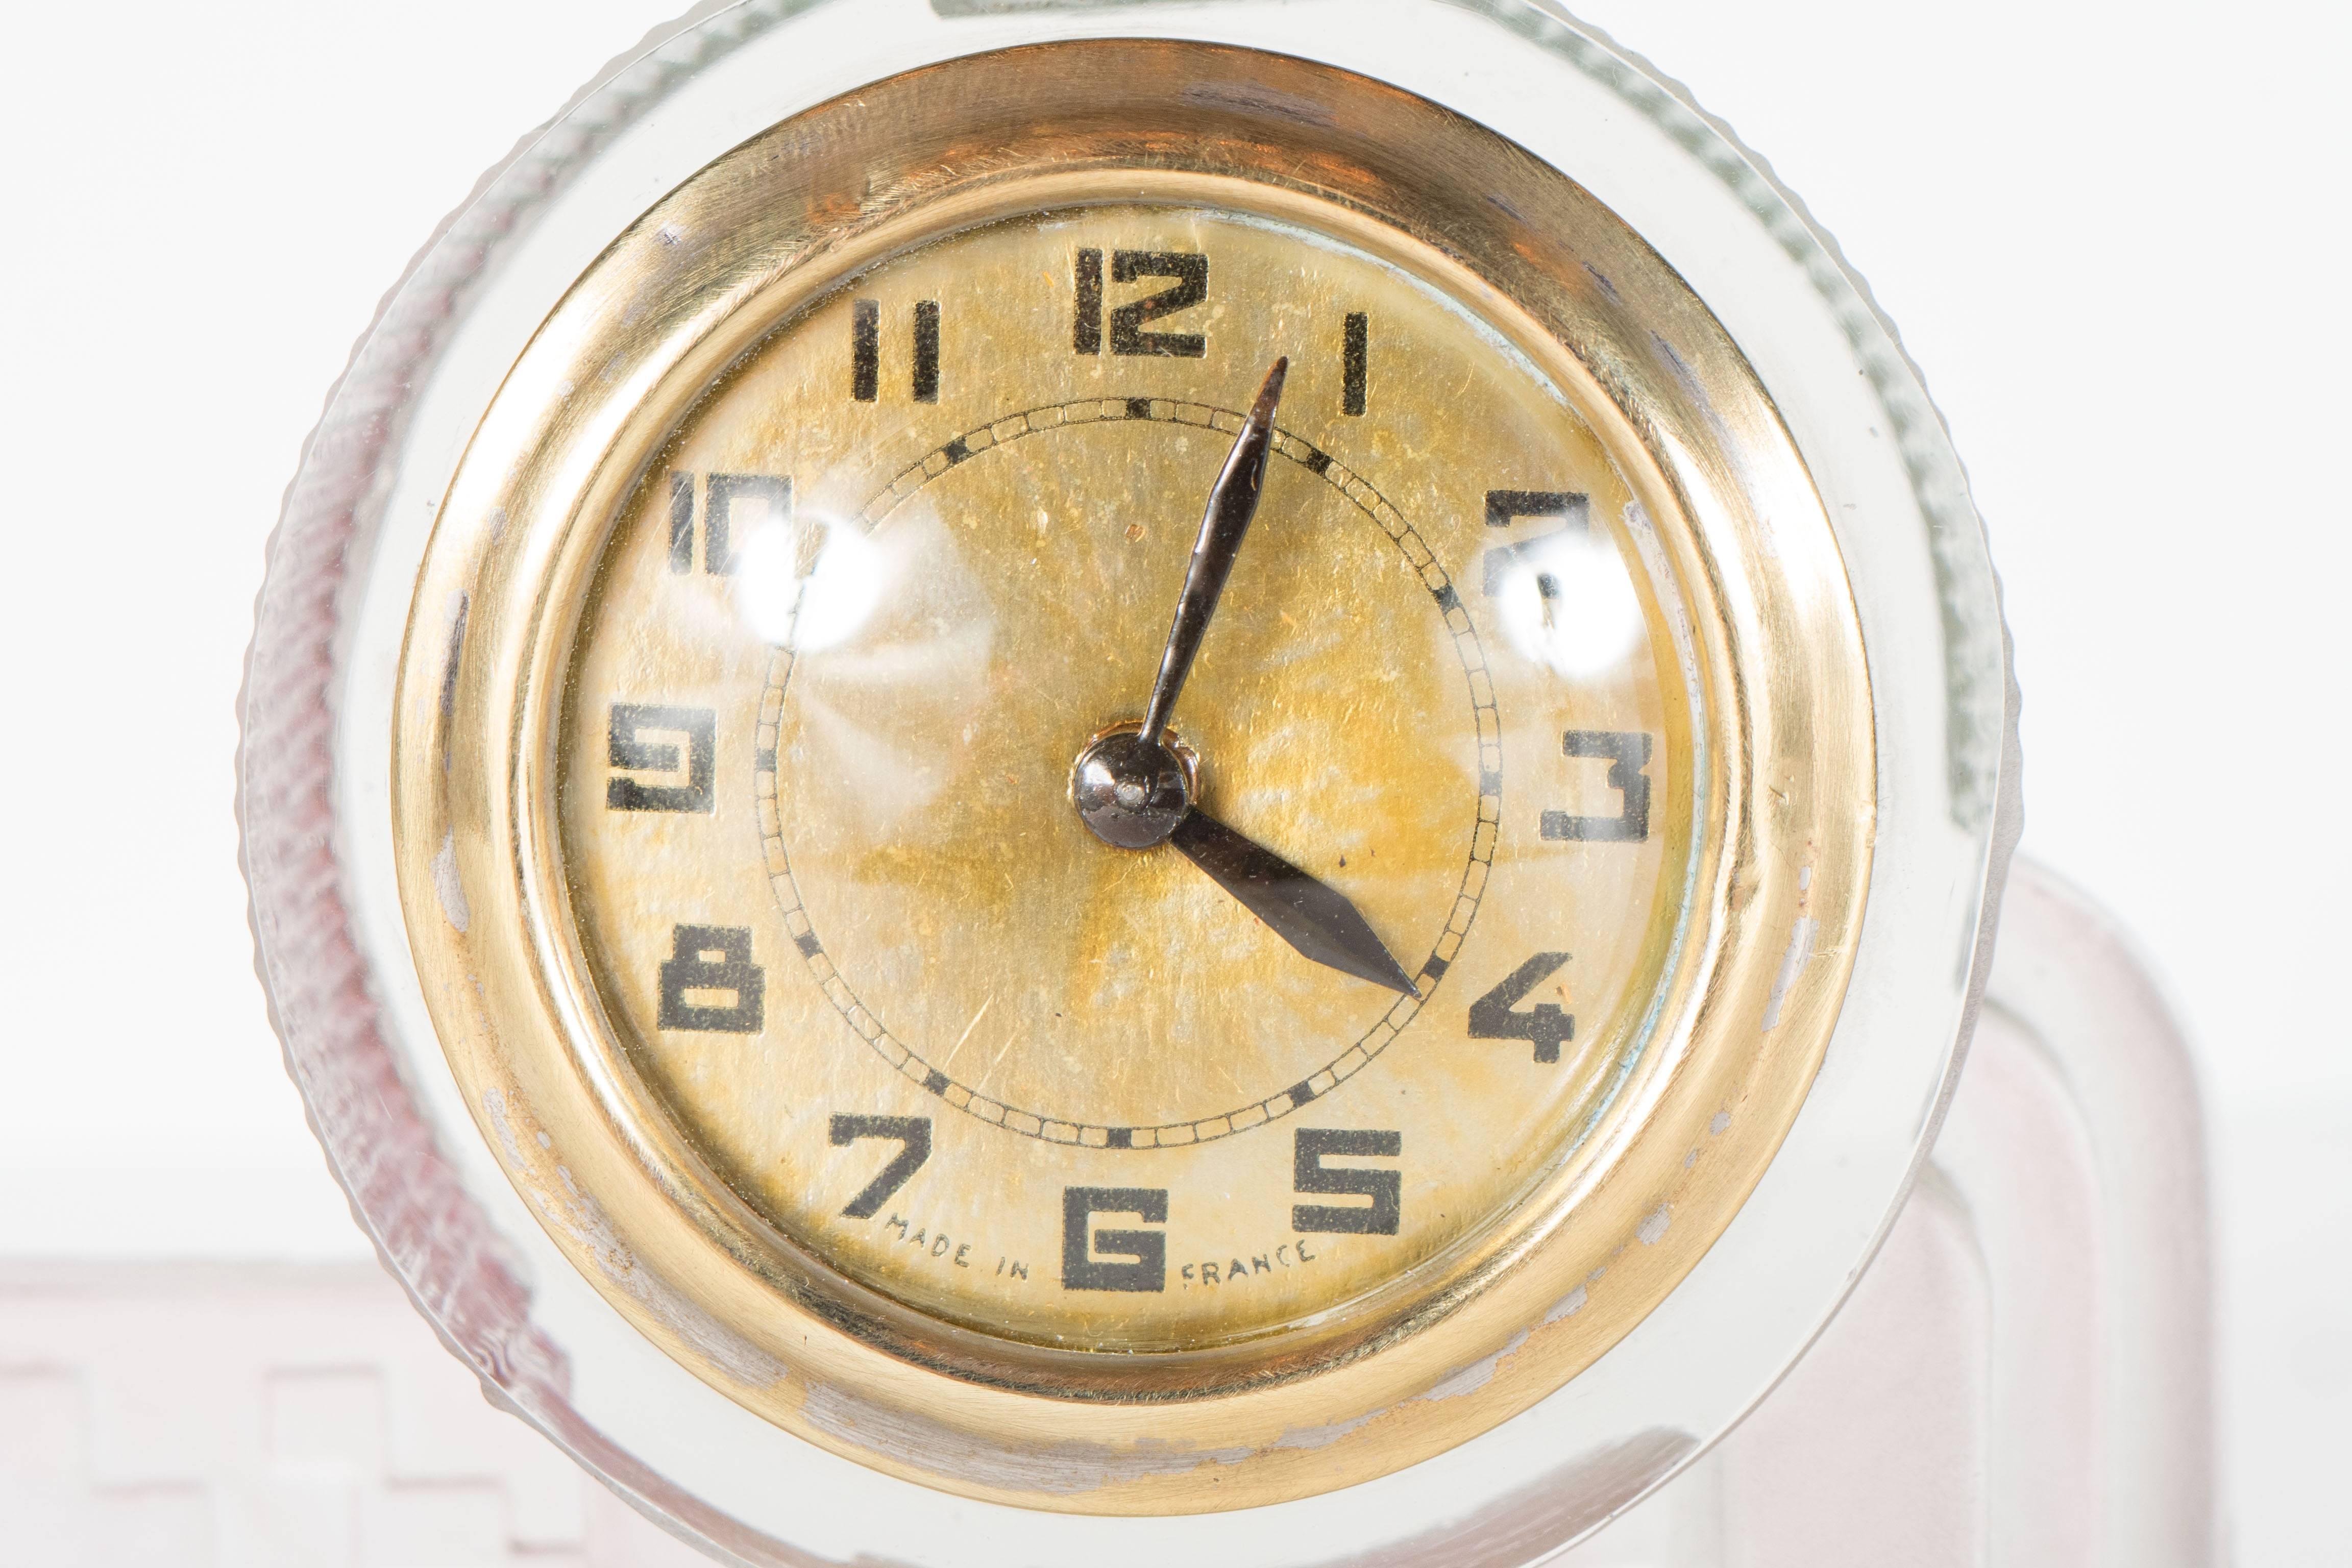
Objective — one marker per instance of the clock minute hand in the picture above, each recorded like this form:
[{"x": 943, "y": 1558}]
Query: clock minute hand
[
  {"x": 1233, "y": 503},
  {"x": 1134, "y": 792},
  {"x": 1311, "y": 916}
]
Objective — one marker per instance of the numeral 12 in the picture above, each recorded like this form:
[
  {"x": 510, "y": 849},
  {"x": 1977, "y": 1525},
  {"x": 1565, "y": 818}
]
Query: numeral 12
[{"x": 1127, "y": 334}]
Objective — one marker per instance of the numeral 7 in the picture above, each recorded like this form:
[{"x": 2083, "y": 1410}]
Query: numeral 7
[{"x": 913, "y": 1136}]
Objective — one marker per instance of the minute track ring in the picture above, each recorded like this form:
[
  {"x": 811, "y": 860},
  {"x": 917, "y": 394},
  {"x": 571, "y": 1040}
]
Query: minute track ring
[{"x": 910, "y": 1063}]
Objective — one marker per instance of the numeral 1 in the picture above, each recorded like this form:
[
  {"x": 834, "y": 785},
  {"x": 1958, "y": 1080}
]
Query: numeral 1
[
  {"x": 1087, "y": 337},
  {"x": 1355, "y": 364}
]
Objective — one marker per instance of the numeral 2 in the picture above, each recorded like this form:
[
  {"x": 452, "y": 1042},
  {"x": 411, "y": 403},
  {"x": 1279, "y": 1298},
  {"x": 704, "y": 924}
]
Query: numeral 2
[
  {"x": 1548, "y": 1024},
  {"x": 1505, "y": 508},
  {"x": 1141, "y": 1255},
  {"x": 1127, "y": 334},
  {"x": 913, "y": 1136},
  {"x": 632, "y": 722},
  {"x": 707, "y": 963},
  {"x": 1309, "y": 1174},
  {"x": 1627, "y": 756}
]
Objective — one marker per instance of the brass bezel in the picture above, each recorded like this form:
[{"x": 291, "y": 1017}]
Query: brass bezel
[{"x": 1787, "y": 796}]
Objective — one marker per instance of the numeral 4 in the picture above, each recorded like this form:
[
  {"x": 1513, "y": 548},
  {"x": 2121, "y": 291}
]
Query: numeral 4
[{"x": 1548, "y": 1024}]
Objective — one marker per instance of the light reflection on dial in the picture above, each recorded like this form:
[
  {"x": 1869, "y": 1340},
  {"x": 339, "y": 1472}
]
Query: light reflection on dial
[{"x": 904, "y": 617}]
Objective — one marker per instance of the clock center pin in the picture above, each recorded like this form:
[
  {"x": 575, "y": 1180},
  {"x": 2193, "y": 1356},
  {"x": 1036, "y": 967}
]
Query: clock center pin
[{"x": 1130, "y": 791}]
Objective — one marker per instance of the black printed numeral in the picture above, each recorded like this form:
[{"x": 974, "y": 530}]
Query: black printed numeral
[
  {"x": 865, "y": 351},
  {"x": 1505, "y": 508},
  {"x": 709, "y": 982},
  {"x": 1627, "y": 755},
  {"x": 1310, "y": 1174},
  {"x": 722, "y": 496},
  {"x": 632, "y": 751},
  {"x": 913, "y": 1136},
  {"x": 1127, "y": 321},
  {"x": 1355, "y": 364},
  {"x": 1548, "y": 1024},
  {"x": 1140, "y": 1257}
]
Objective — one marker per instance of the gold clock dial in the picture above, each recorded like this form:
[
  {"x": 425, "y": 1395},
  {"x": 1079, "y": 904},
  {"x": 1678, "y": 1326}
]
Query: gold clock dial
[{"x": 897, "y": 572}]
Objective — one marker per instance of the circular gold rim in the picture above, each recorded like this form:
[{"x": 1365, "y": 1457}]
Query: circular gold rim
[
  {"x": 1456, "y": 1274},
  {"x": 1774, "y": 645}
]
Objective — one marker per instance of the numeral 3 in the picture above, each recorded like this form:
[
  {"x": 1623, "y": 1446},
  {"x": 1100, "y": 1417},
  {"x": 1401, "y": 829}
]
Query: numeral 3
[{"x": 1627, "y": 755}]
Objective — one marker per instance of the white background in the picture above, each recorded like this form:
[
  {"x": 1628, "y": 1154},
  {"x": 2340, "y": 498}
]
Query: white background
[{"x": 2115, "y": 240}]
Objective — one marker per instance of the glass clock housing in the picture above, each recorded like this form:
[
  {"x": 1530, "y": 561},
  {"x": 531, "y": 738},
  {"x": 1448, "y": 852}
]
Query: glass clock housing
[{"x": 1574, "y": 766}]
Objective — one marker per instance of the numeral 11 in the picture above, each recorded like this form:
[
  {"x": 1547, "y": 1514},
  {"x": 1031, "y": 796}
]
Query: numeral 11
[{"x": 865, "y": 351}]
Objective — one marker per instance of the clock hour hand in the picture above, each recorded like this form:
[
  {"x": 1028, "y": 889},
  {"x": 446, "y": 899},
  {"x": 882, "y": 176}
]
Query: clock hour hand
[
  {"x": 1233, "y": 501},
  {"x": 1311, "y": 916},
  {"x": 1135, "y": 792}
]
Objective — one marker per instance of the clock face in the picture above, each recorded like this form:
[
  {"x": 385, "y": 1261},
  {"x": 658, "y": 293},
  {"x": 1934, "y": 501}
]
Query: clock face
[{"x": 908, "y": 560}]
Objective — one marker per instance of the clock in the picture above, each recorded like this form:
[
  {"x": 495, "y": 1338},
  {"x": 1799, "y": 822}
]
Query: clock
[{"x": 1128, "y": 768}]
